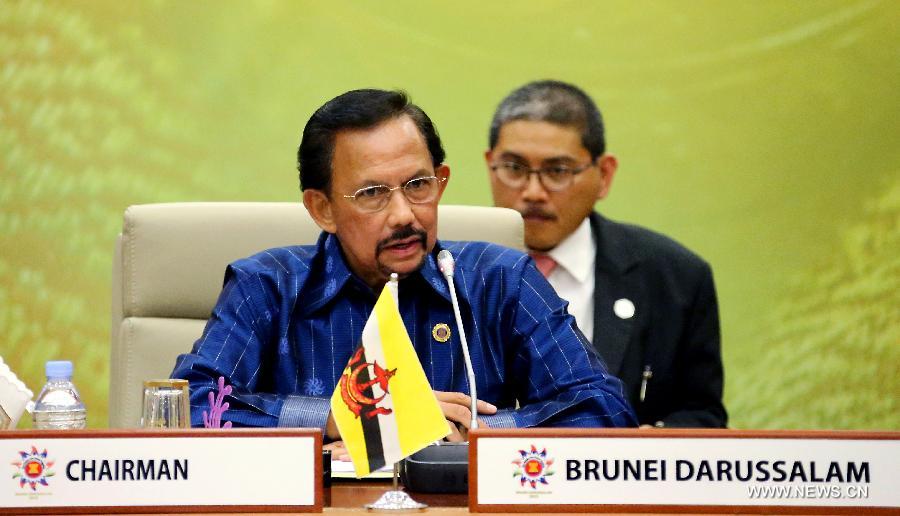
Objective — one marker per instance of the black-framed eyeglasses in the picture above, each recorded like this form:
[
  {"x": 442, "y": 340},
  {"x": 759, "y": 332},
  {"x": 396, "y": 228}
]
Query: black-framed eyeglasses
[
  {"x": 419, "y": 190},
  {"x": 554, "y": 178}
]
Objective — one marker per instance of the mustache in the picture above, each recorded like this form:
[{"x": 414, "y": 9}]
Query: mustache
[
  {"x": 534, "y": 211},
  {"x": 402, "y": 234}
]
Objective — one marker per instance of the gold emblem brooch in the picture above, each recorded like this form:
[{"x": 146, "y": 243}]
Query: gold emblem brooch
[{"x": 441, "y": 332}]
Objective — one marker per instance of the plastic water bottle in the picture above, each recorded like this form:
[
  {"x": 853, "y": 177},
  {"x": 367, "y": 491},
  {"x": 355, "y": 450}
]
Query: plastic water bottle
[{"x": 58, "y": 407}]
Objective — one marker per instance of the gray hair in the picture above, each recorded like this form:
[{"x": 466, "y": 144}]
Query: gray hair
[{"x": 555, "y": 102}]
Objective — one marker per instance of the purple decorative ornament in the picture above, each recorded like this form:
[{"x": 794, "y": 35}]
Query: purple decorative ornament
[{"x": 217, "y": 407}]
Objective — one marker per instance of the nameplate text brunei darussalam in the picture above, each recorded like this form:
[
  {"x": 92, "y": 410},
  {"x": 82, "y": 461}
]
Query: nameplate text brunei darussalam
[{"x": 647, "y": 470}]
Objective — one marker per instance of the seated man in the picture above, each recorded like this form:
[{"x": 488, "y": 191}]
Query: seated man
[
  {"x": 288, "y": 319},
  {"x": 647, "y": 303}
]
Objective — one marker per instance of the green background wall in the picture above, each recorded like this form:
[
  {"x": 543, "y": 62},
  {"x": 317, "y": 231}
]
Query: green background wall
[{"x": 762, "y": 134}]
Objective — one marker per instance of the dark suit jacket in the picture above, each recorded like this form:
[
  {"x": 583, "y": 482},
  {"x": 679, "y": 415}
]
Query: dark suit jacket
[{"x": 674, "y": 333}]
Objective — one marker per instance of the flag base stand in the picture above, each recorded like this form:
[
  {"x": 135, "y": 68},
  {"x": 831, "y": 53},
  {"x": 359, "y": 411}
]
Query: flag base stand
[{"x": 396, "y": 500}]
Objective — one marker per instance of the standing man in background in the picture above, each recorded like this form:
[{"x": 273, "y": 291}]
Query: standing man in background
[{"x": 647, "y": 303}]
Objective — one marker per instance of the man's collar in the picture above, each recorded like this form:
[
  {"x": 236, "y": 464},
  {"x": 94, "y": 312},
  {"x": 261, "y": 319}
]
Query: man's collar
[
  {"x": 432, "y": 275},
  {"x": 612, "y": 252},
  {"x": 331, "y": 275},
  {"x": 576, "y": 252}
]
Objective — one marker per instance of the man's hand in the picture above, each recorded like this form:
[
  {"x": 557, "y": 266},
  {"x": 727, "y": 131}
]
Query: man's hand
[
  {"x": 338, "y": 451},
  {"x": 456, "y": 408},
  {"x": 331, "y": 429}
]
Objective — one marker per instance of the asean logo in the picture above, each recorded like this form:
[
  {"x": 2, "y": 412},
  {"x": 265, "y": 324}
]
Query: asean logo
[
  {"x": 533, "y": 467},
  {"x": 33, "y": 469}
]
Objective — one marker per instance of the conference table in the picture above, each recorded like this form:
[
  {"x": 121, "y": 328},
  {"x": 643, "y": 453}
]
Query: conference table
[{"x": 351, "y": 497}]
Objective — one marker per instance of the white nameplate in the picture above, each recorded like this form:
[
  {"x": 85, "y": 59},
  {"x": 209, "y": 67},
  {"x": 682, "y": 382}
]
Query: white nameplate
[
  {"x": 645, "y": 470},
  {"x": 270, "y": 470}
]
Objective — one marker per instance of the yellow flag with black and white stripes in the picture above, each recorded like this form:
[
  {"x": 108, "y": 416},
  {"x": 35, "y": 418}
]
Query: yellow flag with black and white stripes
[{"x": 383, "y": 405}]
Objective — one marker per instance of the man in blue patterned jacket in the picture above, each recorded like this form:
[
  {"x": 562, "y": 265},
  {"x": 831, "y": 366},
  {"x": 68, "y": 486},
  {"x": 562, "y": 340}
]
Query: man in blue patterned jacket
[{"x": 288, "y": 319}]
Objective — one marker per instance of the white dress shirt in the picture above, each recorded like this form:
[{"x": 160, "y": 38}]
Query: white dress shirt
[{"x": 573, "y": 278}]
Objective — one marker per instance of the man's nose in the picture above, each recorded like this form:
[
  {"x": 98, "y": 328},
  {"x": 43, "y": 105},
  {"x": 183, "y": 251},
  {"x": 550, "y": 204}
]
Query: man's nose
[
  {"x": 399, "y": 210},
  {"x": 534, "y": 190}
]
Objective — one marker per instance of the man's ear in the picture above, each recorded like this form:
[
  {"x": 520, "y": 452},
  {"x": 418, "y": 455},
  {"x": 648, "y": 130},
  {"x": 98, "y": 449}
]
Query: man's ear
[
  {"x": 442, "y": 171},
  {"x": 319, "y": 207},
  {"x": 607, "y": 164}
]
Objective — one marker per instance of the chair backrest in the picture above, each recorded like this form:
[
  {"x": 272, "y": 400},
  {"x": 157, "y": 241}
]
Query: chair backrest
[{"x": 169, "y": 264}]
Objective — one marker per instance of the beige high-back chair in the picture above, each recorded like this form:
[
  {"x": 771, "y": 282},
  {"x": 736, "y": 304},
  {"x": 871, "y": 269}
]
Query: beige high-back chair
[{"x": 170, "y": 262}]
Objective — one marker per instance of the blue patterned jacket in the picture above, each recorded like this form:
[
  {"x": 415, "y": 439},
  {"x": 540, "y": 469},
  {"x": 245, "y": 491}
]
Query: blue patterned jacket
[{"x": 289, "y": 318}]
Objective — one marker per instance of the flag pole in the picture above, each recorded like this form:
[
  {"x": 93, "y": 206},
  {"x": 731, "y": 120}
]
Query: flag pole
[{"x": 395, "y": 500}]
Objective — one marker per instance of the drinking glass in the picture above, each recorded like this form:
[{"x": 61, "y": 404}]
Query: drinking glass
[{"x": 166, "y": 404}]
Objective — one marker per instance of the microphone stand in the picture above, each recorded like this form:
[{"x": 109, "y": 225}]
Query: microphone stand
[{"x": 446, "y": 264}]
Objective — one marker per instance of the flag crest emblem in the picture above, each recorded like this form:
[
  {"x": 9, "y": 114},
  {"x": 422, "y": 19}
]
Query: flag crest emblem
[
  {"x": 383, "y": 405},
  {"x": 353, "y": 390}
]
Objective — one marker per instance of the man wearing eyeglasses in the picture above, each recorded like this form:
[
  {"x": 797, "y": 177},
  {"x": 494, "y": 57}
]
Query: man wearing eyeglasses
[
  {"x": 647, "y": 303},
  {"x": 372, "y": 172}
]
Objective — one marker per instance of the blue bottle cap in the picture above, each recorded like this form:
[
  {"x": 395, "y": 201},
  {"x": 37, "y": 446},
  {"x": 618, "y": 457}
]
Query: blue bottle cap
[{"x": 59, "y": 369}]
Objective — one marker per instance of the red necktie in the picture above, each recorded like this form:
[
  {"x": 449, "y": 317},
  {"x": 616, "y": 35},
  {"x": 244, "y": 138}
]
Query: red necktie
[{"x": 544, "y": 263}]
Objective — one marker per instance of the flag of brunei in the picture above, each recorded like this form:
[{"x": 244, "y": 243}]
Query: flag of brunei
[{"x": 383, "y": 405}]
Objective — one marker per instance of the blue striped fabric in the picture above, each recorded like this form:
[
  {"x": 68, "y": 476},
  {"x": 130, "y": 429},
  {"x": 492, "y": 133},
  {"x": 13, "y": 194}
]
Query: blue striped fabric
[{"x": 289, "y": 318}]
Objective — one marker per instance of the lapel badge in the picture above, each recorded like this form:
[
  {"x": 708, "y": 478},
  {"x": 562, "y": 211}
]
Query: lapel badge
[
  {"x": 624, "y": 308},
  {"x": 441, "y": 332}
]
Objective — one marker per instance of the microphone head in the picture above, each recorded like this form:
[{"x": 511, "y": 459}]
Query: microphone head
[{"x": 446, "y": 262}]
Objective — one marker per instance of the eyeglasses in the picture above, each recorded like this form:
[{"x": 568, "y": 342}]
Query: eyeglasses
[
  {"x": 554, "y": 178},
  {"x": 421, "y": 190}
]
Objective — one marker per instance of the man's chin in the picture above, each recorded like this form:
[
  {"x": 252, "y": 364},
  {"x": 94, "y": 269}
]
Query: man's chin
[
  {"x": 540, "y": 244},
  {"x": 404, "y": 267}
]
